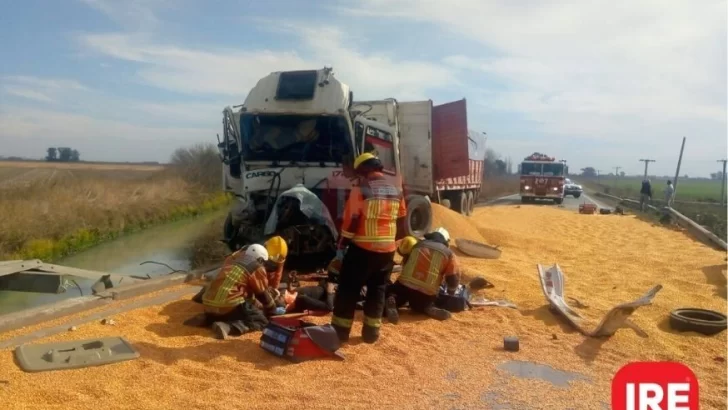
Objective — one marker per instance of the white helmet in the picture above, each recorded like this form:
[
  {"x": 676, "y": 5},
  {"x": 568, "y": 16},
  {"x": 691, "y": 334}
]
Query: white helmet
[
  {"x": 256, "y": 252},
  {"x": 442, "y": 231}
]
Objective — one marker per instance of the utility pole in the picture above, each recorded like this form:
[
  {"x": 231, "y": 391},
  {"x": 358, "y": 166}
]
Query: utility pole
[
  {"x": 616, "y": 176},
  {"x": 722, "y": 184},
  {"x": 647, "y": 162},
  {"x": 599, "y": 172},
  {"x": 677, "y": 171}
]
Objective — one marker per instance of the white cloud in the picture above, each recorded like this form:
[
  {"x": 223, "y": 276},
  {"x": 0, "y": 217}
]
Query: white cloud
[
  {"x": 135, "y": 14},
  {"x": 27, "y": 93},
  {"x": 642, "y": 73},
  {"x": 233, "y": 72},
  {"x": 44, "y": 83}
]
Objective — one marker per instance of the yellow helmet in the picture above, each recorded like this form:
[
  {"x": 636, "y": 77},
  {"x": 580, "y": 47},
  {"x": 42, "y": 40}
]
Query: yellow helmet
[
  {"x": 277, "y": 249},
  {"x": 406, "y": 245},
  {"x": 362, "y": 158}
]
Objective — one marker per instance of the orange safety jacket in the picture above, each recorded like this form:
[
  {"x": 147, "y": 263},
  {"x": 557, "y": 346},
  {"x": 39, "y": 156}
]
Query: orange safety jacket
[
  {"x": 237, "y": 281},
  {"x": 371, "y": 213},
  {"x": 427, "y": 266}
]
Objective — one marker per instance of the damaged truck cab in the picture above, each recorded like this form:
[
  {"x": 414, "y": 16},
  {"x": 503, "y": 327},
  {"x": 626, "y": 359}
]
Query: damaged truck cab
[
  {"x": 288, "y": 153},
  {"x": 287, "y": 157}
]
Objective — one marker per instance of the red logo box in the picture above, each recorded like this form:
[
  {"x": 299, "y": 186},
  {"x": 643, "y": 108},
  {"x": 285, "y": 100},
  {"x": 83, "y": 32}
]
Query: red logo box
[{"x": 655, "y": 386}]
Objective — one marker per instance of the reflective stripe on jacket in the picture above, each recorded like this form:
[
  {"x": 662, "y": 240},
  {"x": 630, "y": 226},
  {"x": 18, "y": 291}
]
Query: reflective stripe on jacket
[
  {"x": 426, "y": 267},
  {"x": 237, "y": 280},
  {"x": 371, "y": 213}
]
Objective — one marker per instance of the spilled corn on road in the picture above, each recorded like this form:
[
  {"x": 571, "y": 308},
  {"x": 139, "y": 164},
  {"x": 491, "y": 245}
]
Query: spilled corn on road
[{"x": 421, "y": 363}]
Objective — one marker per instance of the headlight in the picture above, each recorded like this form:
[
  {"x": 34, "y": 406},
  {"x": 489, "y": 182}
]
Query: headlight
[
  {"x": 526, "y": 187},
  {"x": 556, "y": 188}
]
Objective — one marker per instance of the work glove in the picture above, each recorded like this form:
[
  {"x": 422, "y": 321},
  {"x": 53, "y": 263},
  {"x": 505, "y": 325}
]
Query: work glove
[{"x": 280, "y": 311}]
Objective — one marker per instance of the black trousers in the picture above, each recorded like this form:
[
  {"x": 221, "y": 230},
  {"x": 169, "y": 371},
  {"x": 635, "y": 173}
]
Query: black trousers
[
  {"x": 418, "y": 301},
  {"x": 313, "y": 298},
  {"x": 360, "y": 268}
]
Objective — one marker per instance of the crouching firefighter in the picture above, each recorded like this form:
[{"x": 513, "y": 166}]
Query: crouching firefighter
[
  {"x": 243, "y": 276},
  {"x": 424, "y": 267},
  {"x": 373, "y": 214}
]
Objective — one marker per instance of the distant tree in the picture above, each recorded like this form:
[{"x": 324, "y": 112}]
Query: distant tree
[
  {"x": 52, "y": 154},
  {"x": 75, "y": 155},
  {"x": 64, "y": 154},
  {"x": 509, "y": 166},
  {"x": 588, "y": 172},
  {"x": 716, "y": 175},
  {"x": 500, "y": 167},
  {"x": 622, "y": 174}
]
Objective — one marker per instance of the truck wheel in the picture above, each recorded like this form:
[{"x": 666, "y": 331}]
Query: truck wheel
[
  {"x": 471, "y": 203},
  {"x": 419, "y": 216},
  {"x": 577, "y": 195},
  {"x": 446, "y": 203},
  {"x": 525, "y": 200},
  {"x": 559, "y": 201},
  {"x": 461, "y": 202},
  {"x": 229, "y": 232}
]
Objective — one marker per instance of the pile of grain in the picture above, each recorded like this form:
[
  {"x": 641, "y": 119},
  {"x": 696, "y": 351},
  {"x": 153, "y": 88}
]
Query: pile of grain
[
  {"x": 424, "y": 363},
  {"x": 457, "y": 225}
]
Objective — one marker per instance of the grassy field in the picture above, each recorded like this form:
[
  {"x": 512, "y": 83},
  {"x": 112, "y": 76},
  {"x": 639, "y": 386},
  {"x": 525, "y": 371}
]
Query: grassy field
[
  {"x": 52, "y": 209},
  {"x": 697, "y": 199},
  {"x": 688, "y": 190},
  {"x": 498, "y": 186}
]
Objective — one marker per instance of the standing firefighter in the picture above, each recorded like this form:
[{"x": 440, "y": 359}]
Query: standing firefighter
[
  {"x": 243, "y": 276},
  {"x": 374, "y": 212},
  {"x": 424, "y": 268}
]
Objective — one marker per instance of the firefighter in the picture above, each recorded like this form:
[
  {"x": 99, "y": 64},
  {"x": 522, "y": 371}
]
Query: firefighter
[
  {"x": 277, "y": 252},
  {"x": 424, "y": 268},
  {"x": 243, "y": 276},
  {"x": 373, "y": 214}
]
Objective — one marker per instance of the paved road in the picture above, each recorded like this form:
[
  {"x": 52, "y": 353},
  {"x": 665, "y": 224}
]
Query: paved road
[{"x": 569, "y": 202}]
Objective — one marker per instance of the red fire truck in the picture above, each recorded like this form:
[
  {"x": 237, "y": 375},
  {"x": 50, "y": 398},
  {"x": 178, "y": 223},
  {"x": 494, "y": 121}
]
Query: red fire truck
[{"x": 542, "y": 177}]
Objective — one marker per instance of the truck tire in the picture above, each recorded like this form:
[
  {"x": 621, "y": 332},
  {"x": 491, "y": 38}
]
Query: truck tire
[
  {"x": 446, "y": 203},
  {"x": 559, "y": 201},
  {"x": 419, "y": 216},
  {"x": 471, "y": 203},
  {"x": 703, "y": 321},
  {"x": 229, "y": 232},
  {"x": 461, "y": 202},
  {"x": 577, "y": 195}
]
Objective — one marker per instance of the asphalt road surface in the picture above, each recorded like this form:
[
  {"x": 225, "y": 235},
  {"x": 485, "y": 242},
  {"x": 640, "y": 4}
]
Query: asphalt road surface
[{"x": 569, "y": 202}]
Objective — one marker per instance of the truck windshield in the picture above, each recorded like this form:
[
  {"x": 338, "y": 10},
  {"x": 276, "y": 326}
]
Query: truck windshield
[
  {"x": 547, "y": 170},
  {"x": 294, "y": 138},
  {"x": 553, "y": 170},
  {"x": 530, "y": 169}
]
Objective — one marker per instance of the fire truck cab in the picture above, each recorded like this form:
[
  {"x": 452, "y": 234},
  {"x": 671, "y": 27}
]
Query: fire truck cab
[{"x": 542, "y": 177}]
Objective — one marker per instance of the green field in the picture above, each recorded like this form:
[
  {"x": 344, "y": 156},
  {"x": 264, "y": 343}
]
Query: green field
[
  {"x": 690, "y": 190},
  {"x": 698, "y": 199}
]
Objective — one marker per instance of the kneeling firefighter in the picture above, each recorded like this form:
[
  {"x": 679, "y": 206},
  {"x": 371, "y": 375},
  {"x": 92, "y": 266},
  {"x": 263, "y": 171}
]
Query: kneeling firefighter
[
  {"x": 426, "y": 264},
  {"x": 243, "y": 276},
  {"x": 373, "y": 214},
  {"x": 277, "y": 252}
]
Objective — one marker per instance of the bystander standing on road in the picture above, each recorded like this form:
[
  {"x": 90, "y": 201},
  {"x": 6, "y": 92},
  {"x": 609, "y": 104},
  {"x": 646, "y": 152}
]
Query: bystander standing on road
[
  {"x": 669, "y": 194},
  {"x": 645, "y": 194}
]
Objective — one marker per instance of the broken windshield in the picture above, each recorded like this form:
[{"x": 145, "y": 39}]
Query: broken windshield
[{"x": 294, "y": 138}]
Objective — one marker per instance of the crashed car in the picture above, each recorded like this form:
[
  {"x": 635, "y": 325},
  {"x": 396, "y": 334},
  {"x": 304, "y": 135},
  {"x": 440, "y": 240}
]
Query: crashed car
[{"x": 572, "y": 188}]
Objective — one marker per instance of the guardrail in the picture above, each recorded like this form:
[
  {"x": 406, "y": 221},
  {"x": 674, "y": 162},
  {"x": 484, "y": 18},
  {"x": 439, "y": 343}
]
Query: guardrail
[{"x": 693, "y": 227}]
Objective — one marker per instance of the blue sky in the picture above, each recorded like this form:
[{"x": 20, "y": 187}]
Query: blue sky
[{"x": 589, "y": 82}]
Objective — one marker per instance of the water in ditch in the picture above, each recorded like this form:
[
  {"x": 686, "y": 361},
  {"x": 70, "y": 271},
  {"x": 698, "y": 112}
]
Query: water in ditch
[{"x": 168, "y": 244}]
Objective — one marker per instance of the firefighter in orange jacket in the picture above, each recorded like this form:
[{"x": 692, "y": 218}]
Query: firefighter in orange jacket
[
  {"x": 426, "y": 265},
  {"x": 366, "y": 248}
]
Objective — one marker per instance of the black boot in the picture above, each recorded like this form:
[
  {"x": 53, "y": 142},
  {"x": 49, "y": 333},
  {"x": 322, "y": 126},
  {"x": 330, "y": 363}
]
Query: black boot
[
  {"x": 369, "y": 334},
  {"x": 342, "y": 333},
  {"x": 221, "y": 330},
  {"x": 390, "y": 309}
]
